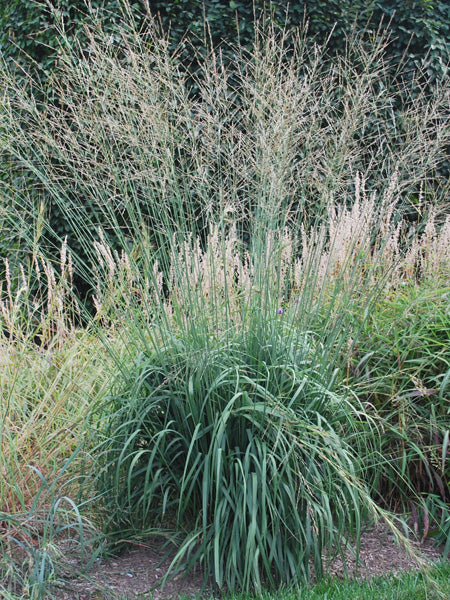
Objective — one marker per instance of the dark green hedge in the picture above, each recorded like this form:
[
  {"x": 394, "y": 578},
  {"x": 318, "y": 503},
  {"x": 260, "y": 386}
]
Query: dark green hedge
[{"x": 420, "y": 28}]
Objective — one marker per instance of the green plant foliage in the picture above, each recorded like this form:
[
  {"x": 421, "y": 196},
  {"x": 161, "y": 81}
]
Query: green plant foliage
[
  {"x": 37, "y": 543},
  {"x": 429, "y": 585},
  {"x": 338, "y": 123},
  {"x": 421, "y": 31},
  {"x": 420, "y": 28},
  {"x": 404, "y": 372},
  {"x": 31, "y": 31},
  {"x": 233, "y": 223},
  {"x": 241, "y": 442}
]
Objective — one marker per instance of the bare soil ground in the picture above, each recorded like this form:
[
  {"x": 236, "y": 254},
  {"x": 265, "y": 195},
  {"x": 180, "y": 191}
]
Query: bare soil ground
[{"x": 138, "y": 572}]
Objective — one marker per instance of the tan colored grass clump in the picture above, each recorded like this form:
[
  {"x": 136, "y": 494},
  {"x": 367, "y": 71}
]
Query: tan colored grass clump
[{"x": 51, "y": 372}]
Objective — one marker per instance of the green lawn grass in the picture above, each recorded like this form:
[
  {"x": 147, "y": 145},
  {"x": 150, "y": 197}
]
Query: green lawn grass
[{"x": 407, "y": 586}]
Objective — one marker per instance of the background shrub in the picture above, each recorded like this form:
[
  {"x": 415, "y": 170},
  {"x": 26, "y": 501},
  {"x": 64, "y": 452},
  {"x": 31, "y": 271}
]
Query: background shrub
[
  {"x": 419, "y": 28},
  {"x": 402, "y": 368}
]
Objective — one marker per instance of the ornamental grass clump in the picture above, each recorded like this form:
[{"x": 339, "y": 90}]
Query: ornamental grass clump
[{"x": 239, "y": 442}]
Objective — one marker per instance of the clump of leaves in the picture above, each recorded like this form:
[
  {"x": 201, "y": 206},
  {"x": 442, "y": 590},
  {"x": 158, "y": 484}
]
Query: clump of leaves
[{"x": 239, "y": 442}]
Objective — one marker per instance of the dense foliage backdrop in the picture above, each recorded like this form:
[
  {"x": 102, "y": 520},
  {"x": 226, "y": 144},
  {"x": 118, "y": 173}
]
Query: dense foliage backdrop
[{"x": 420, "y": 28}]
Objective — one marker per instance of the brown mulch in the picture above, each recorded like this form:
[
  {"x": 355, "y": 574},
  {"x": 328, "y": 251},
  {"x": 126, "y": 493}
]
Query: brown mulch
[
  {"x": 137, "y": 572},
  {"x": 140, "y": 570},
  {"x": 380, "y": 554}
]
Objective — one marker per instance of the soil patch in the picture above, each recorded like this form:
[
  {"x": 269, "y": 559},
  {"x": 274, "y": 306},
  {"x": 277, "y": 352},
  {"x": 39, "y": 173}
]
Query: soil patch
[{"x": 139, "y": 571}]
